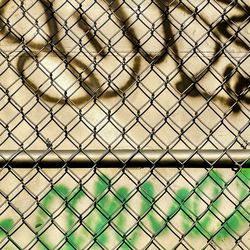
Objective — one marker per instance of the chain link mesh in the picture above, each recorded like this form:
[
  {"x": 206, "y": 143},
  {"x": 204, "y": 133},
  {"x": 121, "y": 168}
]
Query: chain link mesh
[{"x": 124, "y": 124}]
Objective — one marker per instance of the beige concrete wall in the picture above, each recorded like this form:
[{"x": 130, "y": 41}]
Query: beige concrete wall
[
  {"x": 45, "y": 72},
  {"x": 181, "y": 200},
  {"x": 179, "y": 196}
]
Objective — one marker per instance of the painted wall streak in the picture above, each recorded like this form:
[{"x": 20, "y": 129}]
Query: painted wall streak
[
  {"x": 161, "y": 63},
  {"x": 112, "y": 214}
]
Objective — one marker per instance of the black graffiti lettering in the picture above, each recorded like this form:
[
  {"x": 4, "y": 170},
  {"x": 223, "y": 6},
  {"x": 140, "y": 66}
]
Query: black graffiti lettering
[
  {"x": 187, "y": 85},
  {"x": 240, "y": 90},
  {"x": 58, "y": 49},
  {"x": 242, "y": 83},
  {"x": 83, "y": 24},
  {"x": 87, "y": 29},
  {"x": 232, "y": 101},
  {"x": 5, "y": 27},
  {"x": 91, "y": 86}
]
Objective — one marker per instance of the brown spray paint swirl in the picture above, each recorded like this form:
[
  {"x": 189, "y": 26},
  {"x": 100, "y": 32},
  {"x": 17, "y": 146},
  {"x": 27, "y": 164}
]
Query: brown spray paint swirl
[
  {"x": 187, "y": 86},
  {"x": 92, "y": 86}
]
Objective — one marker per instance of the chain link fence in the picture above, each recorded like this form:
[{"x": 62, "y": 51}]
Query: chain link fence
[{"x": 124, "y": 124}]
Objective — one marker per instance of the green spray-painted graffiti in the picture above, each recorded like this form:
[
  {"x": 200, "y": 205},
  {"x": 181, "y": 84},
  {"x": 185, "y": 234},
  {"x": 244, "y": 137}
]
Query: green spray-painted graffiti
[{"x": 109, "y": 209}]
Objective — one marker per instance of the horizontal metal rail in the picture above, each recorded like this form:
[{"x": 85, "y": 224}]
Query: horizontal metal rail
[{"x": 115, "y": 158}]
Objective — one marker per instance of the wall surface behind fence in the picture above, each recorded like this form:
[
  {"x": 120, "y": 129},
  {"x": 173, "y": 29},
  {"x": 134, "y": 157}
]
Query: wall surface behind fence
[
  {"x": 88, "y": 50},
  {"x": 124, "y": 74},
  {"x": 112, "y": 203}
]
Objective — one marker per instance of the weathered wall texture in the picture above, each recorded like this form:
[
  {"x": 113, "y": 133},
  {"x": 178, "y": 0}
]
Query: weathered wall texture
[
  {"x": 112, "y": 209},
  {"x": 122, "y": 75},
  {"x": 141, "y": 52}
]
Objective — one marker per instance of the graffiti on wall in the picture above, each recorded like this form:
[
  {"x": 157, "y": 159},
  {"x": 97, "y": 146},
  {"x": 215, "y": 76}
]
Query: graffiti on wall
[
  {"x": 109, "y": 64},
  {"x": 93, "y": 221},
  {"x": 224, "y": 32}
]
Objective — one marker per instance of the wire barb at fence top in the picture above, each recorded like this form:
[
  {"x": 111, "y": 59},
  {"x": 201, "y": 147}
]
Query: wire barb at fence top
[{"x": 124, "y": 124}]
